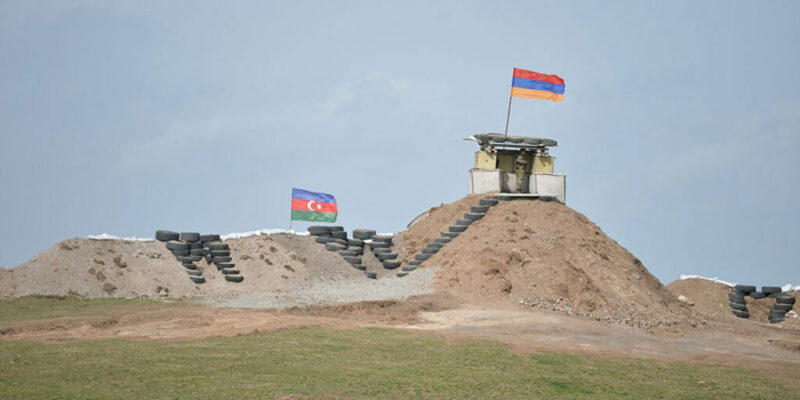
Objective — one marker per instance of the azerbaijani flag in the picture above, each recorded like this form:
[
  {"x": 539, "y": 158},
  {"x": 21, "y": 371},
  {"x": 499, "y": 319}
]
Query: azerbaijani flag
[
  {"x": 311, "y": 206},
  {"x": 533, "y": 85}
]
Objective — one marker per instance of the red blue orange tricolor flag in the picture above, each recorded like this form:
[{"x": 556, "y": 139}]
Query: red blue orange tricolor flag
[{"x": 533, "y": 85}]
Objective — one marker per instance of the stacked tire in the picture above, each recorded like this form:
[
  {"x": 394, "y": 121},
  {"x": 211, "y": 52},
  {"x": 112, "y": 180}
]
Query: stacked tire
[
  {"x": 737, "y": 302},
  {"x": 186, "y": 248},
  {"x": 784, "y": 302},
  {"x": 475, "y": 213},
  {"x": 335, "y": 239},
  {"x": 220, "y": 254},
  {"x": 382, "y": 249}
]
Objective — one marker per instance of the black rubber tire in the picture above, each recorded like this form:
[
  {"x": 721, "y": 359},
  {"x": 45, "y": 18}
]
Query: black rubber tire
[
  {"x": 212, "y": 237},
  {"x": 371, "y": 275},
  {"x": 323, "y": 239},
  {"x": 363, "y": 234},
  {"x": 474, "y": 216},
  {"x": 387, "y": 256},
  {"x": 208, "y": 259},
  {"x": 771, "y": 289},
  {"x": 166, "y": 236},
  {"x": 391, "y": 264},
  {"x": 442, "y": 240},
  {"x": 196, "y": 252},
  {"x": 222, "y": 259},
  {"x": 503, "y": 197},
  {"x": 334, "y": 246},
  {"x": 194, "y": 272},
  {"x": 414, "y": 262},
  {"x": 430, "y": 250},
  {"x": 740, "y": 293},
  {"x": 458, "y": 228},
  {"x": 773, "y": 295},
  {"x": 341, "y": 235},
  {"x": 337, "y": 228},
  {"x": 195, "y": 258},
  {"x": 738, "y": 306},
  {"x": 230, "y": 271},
  {"x": 782, "y": 307},
  {"x": 218, "y": 246},
  {"x": 464, "y": 221},
  {"x": 434, "y": 245},
  {"x": 222, "y": 265},
  {"x": 206, "y": 251},
  {"x": 347, "y": 253},
  {"x": 422, "y": 257},
  {"x": 176, "y": 245},
  {"x": 409, "y": 268},
  {"x": 352, "y": 260},
  {"x": 401, "y": 274},
  {"x": 180, "y": 252},
  {"x": 382, "y": 239},
  {"x": 547, "y": 198},
  {"x": 488, "y": 202},
  {"x": 197, "y": 279},
  {"x": 339, "y": 241},
  {"x": 219, "y": 253},
  {"x": 379, "y": 245},
  {"x": 757, "y": 295},
  {"x": 479, "y": 209},
  {"x": 451, "y": 235},
  {"x": 736, "y": 298},
  {"x": 777, "y": 313},
  {"x": 188, "y": 265},
  {"x": 785, "y": 299},
  {"x": 319, "y": 230},
  {"x": 741, "y": 314},
  {"x": 775, "y": 320},
  {"x": 190, "y": 237},
  {"x": 359, "y": 267},
  {"x": 355, "y": 242},
  {"x": 381, "y": 250},
  {"x": 234, "y": 278},
  {"x": 358, "y": 251},
  {"x": 745, "y": 288}
]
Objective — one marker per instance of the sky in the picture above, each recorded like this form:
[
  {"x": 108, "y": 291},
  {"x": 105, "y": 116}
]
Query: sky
[{"x": 679, "y": 132}]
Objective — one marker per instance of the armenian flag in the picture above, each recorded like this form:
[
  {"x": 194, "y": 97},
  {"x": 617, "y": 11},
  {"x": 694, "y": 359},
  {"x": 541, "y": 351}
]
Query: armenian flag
[
  {"x": 533, "y": 85},
  {"x": 312, "y": 206}
]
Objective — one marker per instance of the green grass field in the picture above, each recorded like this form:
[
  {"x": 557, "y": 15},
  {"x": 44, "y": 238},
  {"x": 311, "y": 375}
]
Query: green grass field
[{"x": 364, "y": 363}]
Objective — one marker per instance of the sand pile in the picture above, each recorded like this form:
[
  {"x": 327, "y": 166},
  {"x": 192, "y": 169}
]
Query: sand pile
[
  {"x": 114, "y": 268},
  {"x": 711, "y": 298},
  {"x": 543, "y": 254}
]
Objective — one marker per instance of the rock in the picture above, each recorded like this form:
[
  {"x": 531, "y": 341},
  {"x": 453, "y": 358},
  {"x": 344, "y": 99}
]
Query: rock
[{"x": 685, "y": 300}]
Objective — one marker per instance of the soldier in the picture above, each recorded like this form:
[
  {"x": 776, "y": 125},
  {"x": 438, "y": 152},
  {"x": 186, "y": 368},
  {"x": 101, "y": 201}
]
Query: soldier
[{"x": 520, "y": 164}]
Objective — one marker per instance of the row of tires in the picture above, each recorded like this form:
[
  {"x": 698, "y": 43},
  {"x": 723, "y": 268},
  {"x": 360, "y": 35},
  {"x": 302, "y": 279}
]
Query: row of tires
[
  {"x": 350, "y": 249},
  {"x": 475, "y": 213},
  {"x": 784, "y": 302},
  {"x": 191, "y": 247}
]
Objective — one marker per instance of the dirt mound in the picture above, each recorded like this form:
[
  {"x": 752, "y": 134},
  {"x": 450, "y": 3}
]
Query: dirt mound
[
  {"x": 711, "y": 298},
  {"x": 543, "y": 254},
  {"x": 439, "y": 218},
  {"x": 114, "y": 268}
]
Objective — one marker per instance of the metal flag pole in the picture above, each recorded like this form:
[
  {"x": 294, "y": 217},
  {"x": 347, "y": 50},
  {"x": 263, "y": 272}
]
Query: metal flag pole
[
  {"x": 290, "y": 215},
  {"x": 508, "y": 115}
]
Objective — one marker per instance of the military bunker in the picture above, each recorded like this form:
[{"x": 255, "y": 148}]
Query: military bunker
[{"x": 518, "y": 165}]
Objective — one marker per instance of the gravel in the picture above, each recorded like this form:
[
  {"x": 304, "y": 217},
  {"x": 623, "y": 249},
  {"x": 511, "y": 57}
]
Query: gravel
[{"x": 332, "y": 291}]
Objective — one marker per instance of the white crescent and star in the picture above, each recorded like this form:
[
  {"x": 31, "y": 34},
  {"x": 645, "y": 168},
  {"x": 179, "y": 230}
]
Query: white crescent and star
[{"x": 311, "y": 207}]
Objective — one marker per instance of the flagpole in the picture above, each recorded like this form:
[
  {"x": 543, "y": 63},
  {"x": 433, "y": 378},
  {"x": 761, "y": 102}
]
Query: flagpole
[{"x": 508, "y": 115}]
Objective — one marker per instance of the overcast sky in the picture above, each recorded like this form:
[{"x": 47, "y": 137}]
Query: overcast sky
[{"x": 679, "y": 132}]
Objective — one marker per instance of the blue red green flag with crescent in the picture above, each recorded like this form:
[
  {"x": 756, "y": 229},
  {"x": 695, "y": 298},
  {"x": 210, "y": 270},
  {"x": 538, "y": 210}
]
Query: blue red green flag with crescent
[{"x": 313, "y": 206}]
